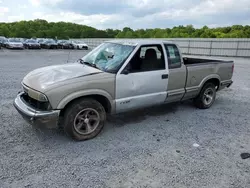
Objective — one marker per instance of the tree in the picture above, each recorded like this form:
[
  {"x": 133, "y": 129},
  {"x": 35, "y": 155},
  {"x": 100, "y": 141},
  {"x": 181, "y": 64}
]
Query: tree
[{"x": 65, "y": 30}]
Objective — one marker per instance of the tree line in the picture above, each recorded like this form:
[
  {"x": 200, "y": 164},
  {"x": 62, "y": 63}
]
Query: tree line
[{"x": 65, "y": 30}]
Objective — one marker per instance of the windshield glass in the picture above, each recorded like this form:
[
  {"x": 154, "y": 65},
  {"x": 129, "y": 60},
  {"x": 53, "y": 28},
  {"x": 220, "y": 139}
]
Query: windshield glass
[
  {"x": 2, "y": 38},
  {"x": 50, "y": 41},
  {"x": 109, "y": 57},
  {"x": 30, "y": 41},
  {"x": 14, "y": 40}
]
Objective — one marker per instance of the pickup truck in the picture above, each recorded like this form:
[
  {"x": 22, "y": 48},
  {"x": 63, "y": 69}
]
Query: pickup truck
[{"x": 118, "y": 76}]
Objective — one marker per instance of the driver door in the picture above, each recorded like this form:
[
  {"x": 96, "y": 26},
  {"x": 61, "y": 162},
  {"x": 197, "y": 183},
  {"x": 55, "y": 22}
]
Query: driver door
[{"x": 144, "y": 79}]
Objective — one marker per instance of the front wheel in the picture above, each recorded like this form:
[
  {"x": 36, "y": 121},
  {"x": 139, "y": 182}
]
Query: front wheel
[
  {"x": 84, "y": 119},
  {"x": 206, "y": 97}
]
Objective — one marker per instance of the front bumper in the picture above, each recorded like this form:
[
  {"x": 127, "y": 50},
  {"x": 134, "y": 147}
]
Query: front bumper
[
  {"x": 33, "y": 47},
  {"x": 42, "y": 119},
  {"x": 15, "y": 47}
]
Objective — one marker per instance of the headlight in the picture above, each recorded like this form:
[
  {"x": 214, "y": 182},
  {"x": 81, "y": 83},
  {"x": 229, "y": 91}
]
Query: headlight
[
  {"x": 35, "y": 94},
  {"x": 42, "y": 97}
]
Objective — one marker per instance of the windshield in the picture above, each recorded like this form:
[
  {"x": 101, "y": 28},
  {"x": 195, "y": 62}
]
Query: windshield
[
  {"x": 3, "y": 40},
  {"x": 50, "y": 41},
  {"x": 30, "y": 41},
  {"x": 14, "y": 40},
  {"x": 109, "y": 57}
]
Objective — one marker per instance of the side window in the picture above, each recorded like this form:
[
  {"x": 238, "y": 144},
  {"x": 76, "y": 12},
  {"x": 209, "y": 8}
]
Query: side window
[
  {"x": 173, "y": 54},
  {"x": 147, "y": 58},
  {"x": 144, "y": 49}
]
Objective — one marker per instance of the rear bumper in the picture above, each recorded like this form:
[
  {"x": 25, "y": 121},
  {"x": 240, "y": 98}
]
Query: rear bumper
[
  {"x": 42, "y": 119},
  {"x": 226, "y": 84}
]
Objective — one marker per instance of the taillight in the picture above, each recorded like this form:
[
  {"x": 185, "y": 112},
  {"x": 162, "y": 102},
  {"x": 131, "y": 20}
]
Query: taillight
[{"x": 232, "y": 68}]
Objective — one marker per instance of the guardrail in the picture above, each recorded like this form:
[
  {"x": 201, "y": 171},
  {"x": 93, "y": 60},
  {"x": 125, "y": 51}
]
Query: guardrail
[{"x": 199, "y": 46}]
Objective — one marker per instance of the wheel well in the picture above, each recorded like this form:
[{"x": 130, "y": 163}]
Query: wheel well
[
  {"x": 215, "y": 81},
  {"x": 100, "y": 98}
]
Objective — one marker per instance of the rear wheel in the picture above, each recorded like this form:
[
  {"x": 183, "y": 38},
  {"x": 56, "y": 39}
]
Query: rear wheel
[
  {"x": 206, "y": 97},
  {"x": 84, "y": 119}
]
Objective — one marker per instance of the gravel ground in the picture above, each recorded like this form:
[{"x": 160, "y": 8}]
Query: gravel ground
[{"x": 167, "y": 146}]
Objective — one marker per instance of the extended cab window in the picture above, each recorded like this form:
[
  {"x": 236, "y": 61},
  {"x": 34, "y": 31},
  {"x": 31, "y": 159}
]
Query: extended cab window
[
  {"x": 173, "y": 54},
  {"x": 147, "y": 58}
]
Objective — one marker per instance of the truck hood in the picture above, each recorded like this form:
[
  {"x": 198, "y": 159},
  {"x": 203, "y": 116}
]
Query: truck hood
[{"x": 41, "y": 79}]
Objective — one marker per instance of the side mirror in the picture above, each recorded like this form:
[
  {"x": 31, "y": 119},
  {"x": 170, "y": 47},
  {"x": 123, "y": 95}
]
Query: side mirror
[{"x": 126, "y": 72}]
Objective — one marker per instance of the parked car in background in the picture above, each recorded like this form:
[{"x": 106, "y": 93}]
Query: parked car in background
[
  {"x": 68, "y": 45},
  {"x": 2, "y": 41},
  {"x": 40, "y": 40},
  {"x": 31, "y": 44},
  {"x": 13, "y": 43},
  {"x": 49, "y": 44},
  {"x": 60, "y": 43},
  {"x": 80, "y": 45}
]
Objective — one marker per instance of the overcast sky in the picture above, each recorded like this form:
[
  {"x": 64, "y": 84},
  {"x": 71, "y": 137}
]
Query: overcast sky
[{"x": 136, "y": 14}]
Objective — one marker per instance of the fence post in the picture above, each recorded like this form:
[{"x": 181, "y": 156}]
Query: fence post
[
  {"x": 188, "y": 46},
  {"x": 210, "y": 49},
  {"x": 237, "y": 49}
]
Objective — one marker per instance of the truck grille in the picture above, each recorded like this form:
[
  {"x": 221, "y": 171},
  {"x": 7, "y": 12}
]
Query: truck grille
[{"x": 37, "y": 105}]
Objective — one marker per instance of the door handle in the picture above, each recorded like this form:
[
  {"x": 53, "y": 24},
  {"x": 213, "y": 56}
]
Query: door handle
[{"x": 164, "y": 76}]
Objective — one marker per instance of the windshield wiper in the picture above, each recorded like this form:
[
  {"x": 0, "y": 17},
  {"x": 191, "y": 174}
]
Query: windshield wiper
[{"x": 87, "y": 63}]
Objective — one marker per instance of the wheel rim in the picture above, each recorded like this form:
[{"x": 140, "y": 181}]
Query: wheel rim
[
  {"x": 86, "y": 121},
  {"x": 208, "y": 96}
]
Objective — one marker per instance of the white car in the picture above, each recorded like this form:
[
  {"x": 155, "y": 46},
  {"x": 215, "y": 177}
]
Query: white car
[
  {"x": 13, "y": 43},
  {"x": 80, "y": 45}
]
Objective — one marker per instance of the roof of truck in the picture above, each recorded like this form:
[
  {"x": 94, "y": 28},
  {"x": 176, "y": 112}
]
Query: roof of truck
[{"x": 134, "y": 42}]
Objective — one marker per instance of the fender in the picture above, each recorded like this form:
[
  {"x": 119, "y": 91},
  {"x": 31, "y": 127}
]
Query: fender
[
  {"x": 83, "y": 93},
  {"x": 211, "y": 76}
]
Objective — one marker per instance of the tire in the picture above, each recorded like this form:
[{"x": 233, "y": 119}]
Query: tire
[
  {"x": 77, "y": 119},
  {"x": 206, "y": 97},
  {"x": 77, "y": 47}
]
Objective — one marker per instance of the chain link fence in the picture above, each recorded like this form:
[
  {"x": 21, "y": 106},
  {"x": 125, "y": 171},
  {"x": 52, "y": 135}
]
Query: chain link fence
[{"x": 197, "y": 46}]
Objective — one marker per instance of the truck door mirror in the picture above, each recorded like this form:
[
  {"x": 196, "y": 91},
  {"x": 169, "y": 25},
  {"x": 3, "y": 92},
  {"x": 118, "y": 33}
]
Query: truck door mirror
[{"x": 125, "y": 71}]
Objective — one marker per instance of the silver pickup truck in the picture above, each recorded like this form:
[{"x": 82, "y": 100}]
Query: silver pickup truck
[{"x": 115, "y": 77}]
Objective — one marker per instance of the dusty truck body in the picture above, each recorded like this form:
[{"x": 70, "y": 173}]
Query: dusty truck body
[{"x": 115, "y": 77}]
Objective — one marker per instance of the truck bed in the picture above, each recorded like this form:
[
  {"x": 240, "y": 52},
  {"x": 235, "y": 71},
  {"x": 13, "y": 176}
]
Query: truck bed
[
  {"x": 198, "y": 70},
  {"x": 195, "y": 61}
]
